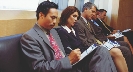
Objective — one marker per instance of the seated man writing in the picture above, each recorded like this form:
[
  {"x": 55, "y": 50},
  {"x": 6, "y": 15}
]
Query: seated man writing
[{"x": 43, "y": 51}]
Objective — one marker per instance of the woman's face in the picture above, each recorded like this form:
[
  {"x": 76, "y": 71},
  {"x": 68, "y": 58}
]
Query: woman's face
[{"x": 72, "y": 19}]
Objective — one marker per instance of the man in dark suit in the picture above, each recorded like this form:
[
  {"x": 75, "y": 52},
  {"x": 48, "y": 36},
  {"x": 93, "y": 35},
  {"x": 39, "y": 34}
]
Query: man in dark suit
[
  {"x": 42, "y": 48},
  {"x": 101, "y": 16},
  {"x": 99, "y": 34},
  {"x": 87, "y": 33},
  {"x": 108, "y": 30}
]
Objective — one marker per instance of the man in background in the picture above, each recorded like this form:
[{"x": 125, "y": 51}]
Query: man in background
[
  {"x": 107, "y": 30},
  {"x": 88, "y": 36},
  {"x": 99, "y": 34}
]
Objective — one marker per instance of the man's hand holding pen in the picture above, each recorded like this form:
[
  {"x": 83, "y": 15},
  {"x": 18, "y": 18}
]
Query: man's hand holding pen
[{"x": 74, "y": 55}]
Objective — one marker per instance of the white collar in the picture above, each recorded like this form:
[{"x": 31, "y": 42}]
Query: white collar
[
  {"x": 84, "y": 19},
  {"x": 68, "y": 30},
  {"x": 92, "y": 20}
]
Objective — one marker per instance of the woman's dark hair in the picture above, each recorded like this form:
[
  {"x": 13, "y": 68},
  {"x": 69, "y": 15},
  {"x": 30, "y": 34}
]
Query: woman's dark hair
[
  {"x": 66, "y": 14},
  {"x": 44, "y": 8}
]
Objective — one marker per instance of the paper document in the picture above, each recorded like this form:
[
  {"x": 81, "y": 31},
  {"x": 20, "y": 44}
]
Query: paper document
[
  {"x": 110, "y": 44},
  {"x": 119, "y": 34},
  {"x": 87, "y": 52}
]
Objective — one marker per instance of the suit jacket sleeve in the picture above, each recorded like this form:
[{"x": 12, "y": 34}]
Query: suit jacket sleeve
[
  {"x": 82, "y": 35},
  {"x": 37, "y": 60}
]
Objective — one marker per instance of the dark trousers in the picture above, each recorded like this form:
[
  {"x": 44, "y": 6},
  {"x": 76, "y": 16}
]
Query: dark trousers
[
  {"x": 125, "y": 49},
  {"x": 129, "y": 35},
  {"x": 98, "y": 61}
]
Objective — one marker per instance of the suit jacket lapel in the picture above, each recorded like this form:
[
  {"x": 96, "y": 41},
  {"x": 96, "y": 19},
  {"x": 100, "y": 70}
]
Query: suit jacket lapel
[
  {"x": 41, "y": 34},
  {"x": 45, "y": 39},
  {"x": 85, "y": 24}
]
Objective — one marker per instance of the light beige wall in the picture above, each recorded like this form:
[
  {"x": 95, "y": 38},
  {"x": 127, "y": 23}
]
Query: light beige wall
[
  {"x": 125, "y": 14},
  {"x": 114, "y": 13},
  {"x": 15, "y": 26},
  {"x": 16, "y": 21},
  {"x": 122, "y": 14},
  {"x": 16, "y": 14}
]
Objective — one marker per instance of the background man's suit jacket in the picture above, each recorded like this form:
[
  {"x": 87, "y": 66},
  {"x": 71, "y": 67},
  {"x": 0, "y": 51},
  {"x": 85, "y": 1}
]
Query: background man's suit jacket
[
  {"x": 125, "y": 49},
  {"x": 39, "y": 53},
  {"x": 105, "y": 30},
  {"x": 85, "y": 34},
  {"x": 98, "y": 32}
]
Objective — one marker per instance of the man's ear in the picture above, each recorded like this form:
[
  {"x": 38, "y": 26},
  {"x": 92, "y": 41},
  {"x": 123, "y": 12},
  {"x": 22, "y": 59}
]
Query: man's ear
[
  {"x": 85, "y": 9},
  {"x": 41, "y": 15}
]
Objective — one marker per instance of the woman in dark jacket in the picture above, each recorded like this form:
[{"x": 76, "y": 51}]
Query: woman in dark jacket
[{"x": 69, "y": 37}]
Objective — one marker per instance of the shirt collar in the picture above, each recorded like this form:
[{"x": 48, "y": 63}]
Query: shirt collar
[
  {"x": 95, "y": 23},
  {"x": 68, "y": 30},
  {"x": 42, "y": 28},
  {"x": 84, "y": 19},
  {"x": 92, "y": 20}
]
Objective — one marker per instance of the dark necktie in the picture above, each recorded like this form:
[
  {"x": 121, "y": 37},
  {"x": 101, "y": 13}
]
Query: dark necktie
[
  {"x": 105, "y": 26},
  {"x": 98, "y": 41},
  {"x": 58, "y": 52}
]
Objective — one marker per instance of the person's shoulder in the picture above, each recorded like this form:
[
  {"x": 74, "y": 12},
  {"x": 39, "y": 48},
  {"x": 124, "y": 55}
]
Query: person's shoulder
[
  {"x": 53, "y": 31},
  {"x": 79, "y": 20},
  {"x": 33, "y": 30},
  {"x": 97, "y": 20},
  {"x": 79, "y": 23},
  {"x": 57, "y": 28},
  {"x": 30, "y": 33},
  {"x": 62, "y": 31}
]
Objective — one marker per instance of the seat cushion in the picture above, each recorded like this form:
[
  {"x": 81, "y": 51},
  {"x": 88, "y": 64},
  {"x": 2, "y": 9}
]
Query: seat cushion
[{"x": 10, "y": 54}]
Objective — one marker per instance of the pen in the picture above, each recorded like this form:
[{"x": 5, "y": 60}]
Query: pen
[{"x": 69, "y": 48}]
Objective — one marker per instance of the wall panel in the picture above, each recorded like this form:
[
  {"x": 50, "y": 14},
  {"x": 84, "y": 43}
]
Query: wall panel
[{"x": 122, "y": 17}]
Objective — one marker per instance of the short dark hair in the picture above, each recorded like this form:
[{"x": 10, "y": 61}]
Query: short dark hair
[
  {"x": 102, "y": 10},
  {"x": 66, "y": 14},
  {"x": 44, "y": 8},
  {"x": 88, "y": 5}
]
